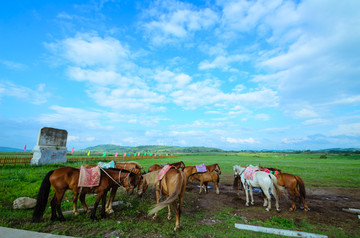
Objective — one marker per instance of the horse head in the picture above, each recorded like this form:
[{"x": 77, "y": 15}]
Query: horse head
[
  {"x": 238, "y": 170},
  {"x": 217, "y": 169},
  {"x": 130, "y": 182}
]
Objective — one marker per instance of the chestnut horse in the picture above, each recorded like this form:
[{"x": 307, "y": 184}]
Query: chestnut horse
[
  {"x": 65, "y": 178},
  {"x": 130, "y": 166},
  {"x": 293, "y": 184},
  {"x": 178, "y": 165},
  {"x": 204, "y": 178},
  {"x": 173, "y": 185},
  {"x": 210, "y": 168}
]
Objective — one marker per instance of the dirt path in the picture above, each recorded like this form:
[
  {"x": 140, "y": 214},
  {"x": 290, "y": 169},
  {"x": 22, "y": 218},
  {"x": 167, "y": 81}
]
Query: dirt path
[{"x": 325, "y": 205}]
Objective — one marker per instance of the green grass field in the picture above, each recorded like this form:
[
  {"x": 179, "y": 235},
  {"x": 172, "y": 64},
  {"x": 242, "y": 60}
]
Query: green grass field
[{"x": 24, "y": 181}]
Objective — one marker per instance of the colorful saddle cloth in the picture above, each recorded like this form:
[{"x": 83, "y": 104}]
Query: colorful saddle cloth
[
  {"x": 201, "y": 168},
  {"x": 163, "y": 171},
  {"x": 107, "y": 165},
  {"x": 249, "y": 172},
  {"x": 89, "y": 177},
  {"x": 275, "y": 173}
]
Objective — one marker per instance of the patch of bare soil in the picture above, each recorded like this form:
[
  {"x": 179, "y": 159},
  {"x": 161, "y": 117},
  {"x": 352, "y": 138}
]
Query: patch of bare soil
[{"x": 325, "y": 205}]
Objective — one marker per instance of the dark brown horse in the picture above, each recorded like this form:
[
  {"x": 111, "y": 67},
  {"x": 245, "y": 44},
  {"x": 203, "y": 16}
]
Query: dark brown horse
[
  {"x": 173, "y": 185},
  {"x": 65, "y": 178},
  {"x": 178, "y": 165},
  {"x": 293, "y": 184},
  {"x": 130, "y": 166},
  {"x": 210, "y": 168}
]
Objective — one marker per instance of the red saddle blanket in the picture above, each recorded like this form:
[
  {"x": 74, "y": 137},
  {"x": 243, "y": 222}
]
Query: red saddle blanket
[
  {"x": 89, "y": 177},
  {"x": 201, "y": 168},
  {"x": 163, "y": 171},
  {"x": 249, "y": 172}
]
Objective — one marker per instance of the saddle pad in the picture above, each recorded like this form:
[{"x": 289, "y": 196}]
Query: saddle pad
[
  {"x": 249, "y": 172},
  {"x": 89, "y": 177},
  {"x": 201, "y": 168},
  {"x": 267, "y": 171},
  {"x": 163, "y": 171},
  {"x": 107, "y": 165}
]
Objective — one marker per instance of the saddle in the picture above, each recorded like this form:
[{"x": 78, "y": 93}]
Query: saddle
[
  {"x": 201, "y": 168},
  {"x": 89, "y": 177},
  {"x": 249, "y": 172}
]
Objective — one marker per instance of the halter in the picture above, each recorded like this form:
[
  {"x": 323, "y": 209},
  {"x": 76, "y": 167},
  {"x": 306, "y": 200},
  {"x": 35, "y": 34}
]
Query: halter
[{"x": 119, "y": 184}]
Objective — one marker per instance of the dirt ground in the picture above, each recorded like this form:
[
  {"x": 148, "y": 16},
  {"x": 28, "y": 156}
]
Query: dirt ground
[{"x": 325, "y": 205}]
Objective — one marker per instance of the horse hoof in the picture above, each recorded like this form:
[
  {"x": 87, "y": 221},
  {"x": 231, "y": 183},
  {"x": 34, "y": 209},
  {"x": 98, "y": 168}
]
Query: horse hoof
[
  {"x": 75, "y": 213},
  {"x": 176, "y": 228},
  {"x": 267, "y": 209},
  {"x": 291, "y": 209},
  {"x": 278, "y": 210},
  {"x": 169, "y": 218},
  {"x": 247, "y": 205}
]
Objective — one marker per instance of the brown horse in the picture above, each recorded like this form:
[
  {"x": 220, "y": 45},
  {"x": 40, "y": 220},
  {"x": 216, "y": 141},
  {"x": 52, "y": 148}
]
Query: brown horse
[
  {"x": 204, "y": 178},
  {"x": 210, "y": 168},
  {"x": 173, "y": 185},
  {"x": 65, "y": 178},
  {"x": 130, "y": 166},
  {"x": 293, "y": 184},
  {"x": 178, "y": 165}
]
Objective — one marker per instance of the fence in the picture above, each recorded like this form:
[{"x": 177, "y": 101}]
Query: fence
[{"x": 16, "y": 160}]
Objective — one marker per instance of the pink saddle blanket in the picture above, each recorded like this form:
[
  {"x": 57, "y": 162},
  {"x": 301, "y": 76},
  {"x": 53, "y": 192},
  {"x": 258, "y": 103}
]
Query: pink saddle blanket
[
  {"x": 163, "y": 171},
  {"x": 249, "y": 172},
  {"x": 201, "y": 168},
  {"x": 89, "y": 177}
]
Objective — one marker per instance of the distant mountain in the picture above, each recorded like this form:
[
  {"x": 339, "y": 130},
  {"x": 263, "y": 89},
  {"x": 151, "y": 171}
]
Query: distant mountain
[
  {"x": 9, "y": 149},
  {"x": 148, "y": 148}
]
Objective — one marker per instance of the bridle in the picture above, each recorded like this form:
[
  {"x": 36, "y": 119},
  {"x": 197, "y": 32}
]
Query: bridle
[{"x": 120, "y": 183}]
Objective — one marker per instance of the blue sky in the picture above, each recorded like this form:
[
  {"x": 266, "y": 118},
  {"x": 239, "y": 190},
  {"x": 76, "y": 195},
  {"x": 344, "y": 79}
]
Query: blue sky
[{"x": 235, "y": 75}]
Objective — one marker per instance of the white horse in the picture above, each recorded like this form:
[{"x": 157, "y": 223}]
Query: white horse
[{"x": 259, "y": 179}]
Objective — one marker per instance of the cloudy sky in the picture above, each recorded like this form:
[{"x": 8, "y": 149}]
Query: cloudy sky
[{"x": 236, "y": 75}]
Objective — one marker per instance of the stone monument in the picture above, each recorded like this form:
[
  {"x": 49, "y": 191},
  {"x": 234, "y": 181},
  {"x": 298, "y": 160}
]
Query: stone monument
[{"x": 50, "y": 147}]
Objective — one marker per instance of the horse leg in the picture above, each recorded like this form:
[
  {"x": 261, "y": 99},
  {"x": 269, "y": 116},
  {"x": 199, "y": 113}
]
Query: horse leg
[
  {"x": 75, "y": 198},
  {"x": 96, "y": 204},
  {"x": 109, "y": 204},
  {"x": 157, "y": 192},
  {"x": 217, "y": 187},
  {"x": 103, "y": 203},
  {"x": 201, "y": 185},
  {"x": 206, "y": 187},
  {"x": 82, "y": 200},
  {"x": 246, "y": 194},
  {"x": 268, "y": 197},
  {"x": 54, "y": 216},
  {"x": 58, "y": 199},
  {"x": 177, "y": 216},
  {"x": 251, "y": 195},
  {"x": 274, "y": 192},
  {"x": 265, "y": 199},
  {"x": 293, "y": 200}
]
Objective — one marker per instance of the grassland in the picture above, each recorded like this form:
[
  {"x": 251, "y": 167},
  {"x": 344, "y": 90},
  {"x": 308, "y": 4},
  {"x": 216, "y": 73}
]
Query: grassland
[{"x": 131, "y": 220}]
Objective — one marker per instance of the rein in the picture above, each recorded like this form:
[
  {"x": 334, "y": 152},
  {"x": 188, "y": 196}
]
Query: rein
[{"x": 119, "y": 184}]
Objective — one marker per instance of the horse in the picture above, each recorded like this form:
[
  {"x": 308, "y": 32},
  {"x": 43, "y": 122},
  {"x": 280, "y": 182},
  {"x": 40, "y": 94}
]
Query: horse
[
  {"x": 210, "y": 168},
  {"x": 130, "y": 166},
  {"x": 178, "y": 165},
  {"x": 172, "y": 185},
  {"x": 293, "y": 184},
  {"x": 259, "y": 179},
  {"x": 65, "y": 178},
  {"x": 204, "y": 178}
]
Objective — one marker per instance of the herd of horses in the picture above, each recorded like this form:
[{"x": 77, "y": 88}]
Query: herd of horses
[{"x": 172, "y": 184}]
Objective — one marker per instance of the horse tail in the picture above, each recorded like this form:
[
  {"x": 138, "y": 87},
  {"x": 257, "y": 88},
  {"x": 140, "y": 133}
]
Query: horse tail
[
  {"x": 280, "y": 190},
  {"x": 171, "y": 198},
  {"x": 42, "y": 197},
  {"x": 301, "y": 186}
]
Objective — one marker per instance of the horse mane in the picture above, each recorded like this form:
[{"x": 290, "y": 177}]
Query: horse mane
[{"x": 151, "y": 178}]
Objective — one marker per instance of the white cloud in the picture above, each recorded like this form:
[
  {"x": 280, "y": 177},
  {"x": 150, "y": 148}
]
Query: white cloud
[
  {"x": 37, "y": 96},
  {"x": 173, "y": 20},
  {"x": 13, "y": 65},
  {"x": 295, "y": 140},
  {"x": 223, "y": 62},
  {"x": 262, "y": 116},
  {"x": 352, "y": 129},
  {"x": 316, "y": 121},
  {"x": 89, "y": 50},
  {"x": 249, "y": 140}
]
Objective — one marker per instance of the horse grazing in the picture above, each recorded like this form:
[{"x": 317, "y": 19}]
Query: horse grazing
[
  {"x": 204, "y": 178},
  {"x": 130, "y": 166},
  {"x": 65, "y": 178},
  {"x": 293, "y": 184},
  {"x": 178, "y": 165},
  {"x": 189, "y": 170},
  {"x": 258, "y": 179},
  {"x": 173, "y": 185}
]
